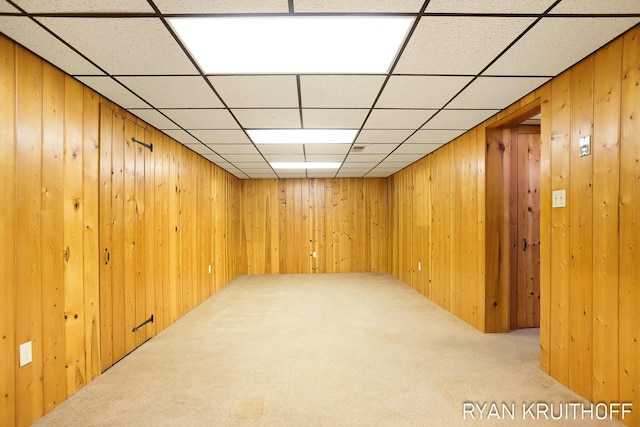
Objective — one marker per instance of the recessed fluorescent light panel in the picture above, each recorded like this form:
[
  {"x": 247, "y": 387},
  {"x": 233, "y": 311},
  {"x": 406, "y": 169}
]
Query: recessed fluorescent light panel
[
  {"x": 293, "y": 44},
  {"x": 302, "y": 136},
  {"x": 305, "y": 165}
]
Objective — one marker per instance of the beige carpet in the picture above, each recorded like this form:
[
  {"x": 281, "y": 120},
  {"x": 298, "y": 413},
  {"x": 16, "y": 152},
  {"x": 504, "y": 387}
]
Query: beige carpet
[{"x": 321, "y": 350}]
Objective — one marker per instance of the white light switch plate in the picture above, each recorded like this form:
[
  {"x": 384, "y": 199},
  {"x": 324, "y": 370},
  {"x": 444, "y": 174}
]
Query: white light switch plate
[
  {"x": 26, "y": 355},
  {"x": 559, "y": 199}
]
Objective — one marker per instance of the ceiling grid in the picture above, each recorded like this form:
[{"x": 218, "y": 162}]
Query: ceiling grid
[{"x": 460, "y": 62}]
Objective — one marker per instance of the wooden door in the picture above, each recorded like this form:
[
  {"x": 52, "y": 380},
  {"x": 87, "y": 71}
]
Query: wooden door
[
  {"x": 527, "y": 239},
  {"x": 123, "y": 276}
]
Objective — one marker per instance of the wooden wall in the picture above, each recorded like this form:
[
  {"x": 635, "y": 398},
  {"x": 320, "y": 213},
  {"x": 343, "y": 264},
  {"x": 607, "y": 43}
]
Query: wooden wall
[
  {"x": 591, "y": 270},
  {"x": 51, "y": 128},
  {"x": 343, "y": 220}
]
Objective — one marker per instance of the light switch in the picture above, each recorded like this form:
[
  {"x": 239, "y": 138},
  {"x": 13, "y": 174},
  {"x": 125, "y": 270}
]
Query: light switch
[{"x": 559, "y": 199}]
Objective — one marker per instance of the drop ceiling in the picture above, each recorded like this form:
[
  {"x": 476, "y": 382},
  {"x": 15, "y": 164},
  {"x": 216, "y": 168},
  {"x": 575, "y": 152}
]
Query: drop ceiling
[{"x": 461, "y": 62}]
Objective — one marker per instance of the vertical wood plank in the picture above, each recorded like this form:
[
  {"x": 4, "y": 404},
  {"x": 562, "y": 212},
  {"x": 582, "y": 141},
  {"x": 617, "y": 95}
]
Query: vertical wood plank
[
  {"x": 630, "y": 226},
  {"x": 28, "y": 248},
  {"x": 8, "y": 303},
  {"x": 606, "y": 193},
  {"x": 91, "y": 200},
  {"x": 73, "y": 237},
  {"x": 580, "y": 202},
  {"x": 52, "y": 211},
  {"x": 139, "y": 236},
  {"x": 150, "y": 248},
  {"x": 129, "y": 245},
  {"x": 559, "y": 270}
]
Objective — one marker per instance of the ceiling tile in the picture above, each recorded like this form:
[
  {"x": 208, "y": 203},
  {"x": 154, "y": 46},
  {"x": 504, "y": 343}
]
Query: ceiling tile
[
  {"x": 341, "y": 91},
  {"x": 213, "y": 158},
  {"x": 223, "y": 6},
  {"x": 358, "y": 166},
  {"x": 35, "y": 38},
  {"x": 7, "y": 8},
  {"x": 349, "y": 174},
  {"x": 220, "y": 136},
  {"x": 257, "y": 91},
  {"x": 405, "y": 157},
  {"x": 154, "y": 118},
  {"x": 199, "y": 148},
  {"x": 597, "y": 6},
  {"x": 285, "y": 118},
  {"x": 420, "y": 91},
  {"x": 324, "y": 157},
  {"x": 326, "y": 148},
  {"x": 150, "y": 48},
  {"x": 173, "y": 91},
  {"x": 376, "y": 148},
  {"x": 488, "y": 6},
  {"x": 434, "y": 136},
  {"x": 181, "y": 136},
  {"x": 262, "y": 175},
  {"x": 333, "y": 118},
  {"x": 422, "y": 149},
  {"x": 86, "y": 6},
  {"x": 459, "y": 119},
  {"x": 281, "y": 148},
  {"x": 320, "y": 173},
  {"x": 224, "y": 149},
  {"x": 365, "y": 158},
  {"x": 555, "y": 44},
  {"x": 201, "y": 118},
  {"x": 252, "y": 165},
  {"x": 114, "y": 91},
  {"x": 407, "y": 6},
  {"x": 284, "y": 157},
  {"x": 397, "y": 119},
  {"x": 239, "y": 159},
  {"x": 379, "y": 173},
  {"x": 383, "y": 136},
  {"x": 496, "y": 92},
  {"x": 458, "y": 45}
]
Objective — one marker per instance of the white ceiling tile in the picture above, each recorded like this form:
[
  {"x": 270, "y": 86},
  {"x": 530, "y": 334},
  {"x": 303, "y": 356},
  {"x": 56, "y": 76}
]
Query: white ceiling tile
[
  {"x": 224, "y": 149},
  {"x": 333, "y": 118},
  {"x": 223, "y": 6},
  {"x": 365, "y": 158},
  {"x": 285, "y": 118},
  {"x": 434, "y": 136},
  {"x": 284, "y": 157},
  {"x": 358, "y": 166},
  {"x": 375, "y": 148},
  {"x": 124, "y": 46},
  {"x": 341, "y": 91},
  {"x": 488, "y": 6},
  {"x": 257, "y": 91},
  {"x": 458, "y": 45},
  {"x": 244, "y": 158},
  {"x": 201, "y": 118},
  {"x": 386, "y": 169},
  {"x": 154, "y": 118},
  {"x": 252, "y": 165},
  {"x": 85, "y": 6},
  {"x": 324, "y": 157},
  {"x": 496, "y": 92},
  {"x": 199, "y": 148},
  {"x": 391, "y": 119},
  {"x": 420, "y": 91},
  {"x": 382, "y": 136},
  {"x": 220, "y": 136},
  {"x": 173, "y": 91},
  {"x": 181, "y": 136},
  {"x": 555, "y": 44},
  {"x": 281, "y": 148},
  {"x": 348, "y": 6},
  {"x": 344, "y": 173},
  {"x": 35, "y": 38},
  {"x": 379, "y": 174},
  {"x": 409, "y": 158},
  {"x": 7, "y": 8},
  {"x": 421, "y": 149},
  {"x": 459, "y": 119},
  {"x": 597, "y": 6},
  {"x": 326, "y": 148},
  {"x": 395, "y": 163},
  {"x": 320, "y": 173},
  {"x": 214, "y": 158},
  {"x": 113, "y": 91}
]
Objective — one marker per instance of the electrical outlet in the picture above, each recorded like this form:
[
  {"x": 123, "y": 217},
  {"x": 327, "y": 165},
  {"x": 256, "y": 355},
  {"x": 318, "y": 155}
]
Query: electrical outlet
[
  {"x": 26, "y": 355},
  {"x": 559, "y": 199}
]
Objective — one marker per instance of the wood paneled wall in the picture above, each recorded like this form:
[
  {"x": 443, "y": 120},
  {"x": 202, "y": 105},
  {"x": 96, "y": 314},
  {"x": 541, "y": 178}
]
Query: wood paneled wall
[
  {"x": 590, "y": 337},
  {"x": 51, "y": 128},
  {"x": 344, "y": 221}
]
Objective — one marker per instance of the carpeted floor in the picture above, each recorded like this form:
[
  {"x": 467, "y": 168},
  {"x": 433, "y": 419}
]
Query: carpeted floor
[{"x": 324, "y": 350}]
